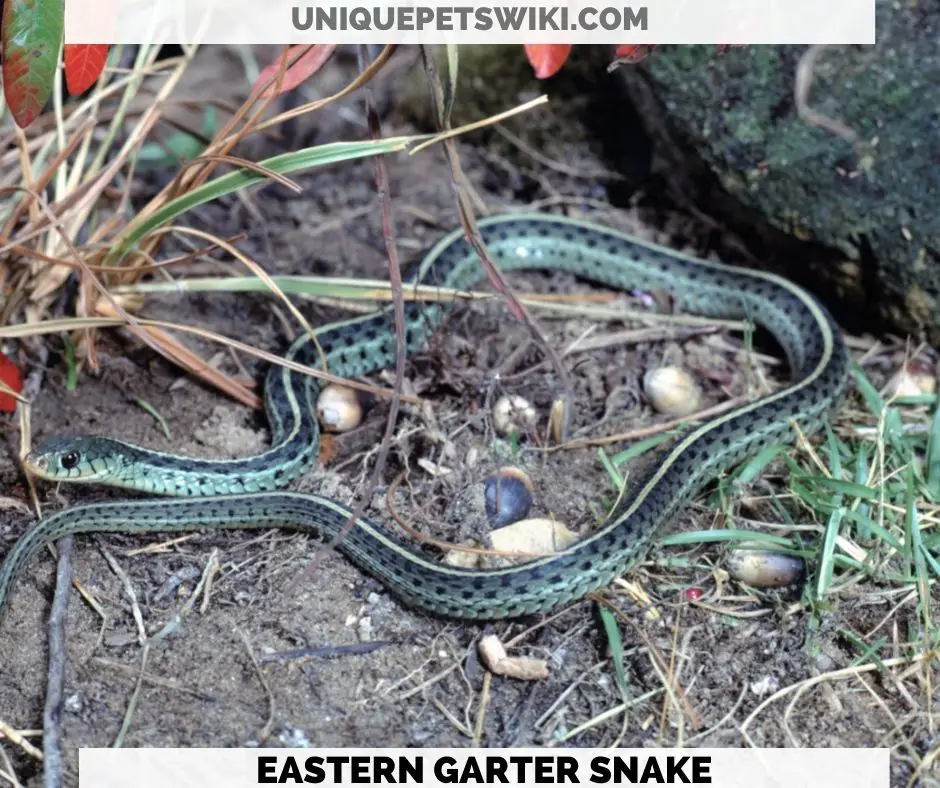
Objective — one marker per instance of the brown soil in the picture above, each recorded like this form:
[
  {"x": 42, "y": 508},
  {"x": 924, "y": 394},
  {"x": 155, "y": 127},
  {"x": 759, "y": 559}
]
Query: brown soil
[{"x": 423, "y": 684}]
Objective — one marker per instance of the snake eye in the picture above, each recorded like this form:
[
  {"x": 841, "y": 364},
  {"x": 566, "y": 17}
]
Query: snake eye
[{"x": 70, "y": 460}]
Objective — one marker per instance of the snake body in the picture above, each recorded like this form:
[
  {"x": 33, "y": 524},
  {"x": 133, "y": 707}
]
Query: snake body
[{"x": 243, "y": 493}]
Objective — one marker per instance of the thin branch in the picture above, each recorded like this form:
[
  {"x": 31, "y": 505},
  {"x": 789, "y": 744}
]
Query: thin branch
[
  {"x": 398, "y": 306},
  {"x": 805, "y": 71},
  {"x": 54, "y": 761},
  {"x": 468, "y": 220}
]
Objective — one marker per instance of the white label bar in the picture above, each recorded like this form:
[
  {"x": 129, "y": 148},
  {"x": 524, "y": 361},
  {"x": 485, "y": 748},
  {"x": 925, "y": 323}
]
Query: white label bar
[
  {"x": 246, "y": 22},
  {"x": 254, "y": 768}
]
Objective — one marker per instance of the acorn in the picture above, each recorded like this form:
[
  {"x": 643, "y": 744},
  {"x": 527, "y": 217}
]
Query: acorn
[
  {"x": 671, "y": 390},
  {"x": 340, "y": 408},
  {"x": 762, "y": 569},
  {"x": 513, "y": 414},
  {"x": 507, "y": 496}
]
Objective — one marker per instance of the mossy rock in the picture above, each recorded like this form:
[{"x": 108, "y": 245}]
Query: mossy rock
[{"x": 864, "y": 179}]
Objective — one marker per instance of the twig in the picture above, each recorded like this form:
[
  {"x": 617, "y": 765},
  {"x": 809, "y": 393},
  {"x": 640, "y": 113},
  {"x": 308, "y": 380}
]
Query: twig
[
  {"x": 326, "y": 652},
  {"x": 131, "y": 593},
  {"x": 547, "y": 161},
  {"x": 54, "y": 763},
  {"x": 371, "y": 71},
  {"x": 70, "y": 324},
  {"x": 398, "y": 307},
  {"x": 265, "y": 732},
  {"x": 481, "y": 713},
  {"x": 8, "y": 773},
  {"x": 156, "y": 681},
  {"x": 604, "y": 716},
  {"x": 833, "y": 675},
  {"x": 16, "y": 737},
  {"x": 395, "y": 280},
  {"x": 654, "y": 429},
  {"x": 177, "y": 618},
  {"x": 804, "y": 81},
  {"x": 31, "y": 388},
  {"x": 468, "y": 220},
  {"x": 135, "y": 697}
]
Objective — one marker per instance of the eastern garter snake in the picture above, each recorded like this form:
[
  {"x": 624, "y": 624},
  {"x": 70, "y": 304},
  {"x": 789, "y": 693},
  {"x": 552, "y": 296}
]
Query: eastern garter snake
[{"x": 813, "y": 345}]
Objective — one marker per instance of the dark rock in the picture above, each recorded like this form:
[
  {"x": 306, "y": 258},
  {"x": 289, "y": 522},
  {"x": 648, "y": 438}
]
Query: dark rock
[{"x": 729, "y": 138}]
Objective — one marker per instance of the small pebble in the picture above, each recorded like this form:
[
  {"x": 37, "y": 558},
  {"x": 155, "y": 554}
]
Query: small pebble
[
  {"x": 340, "y": 408},
  {"x": 671, "y": 390},
  {"x": 513, "y": 414}
]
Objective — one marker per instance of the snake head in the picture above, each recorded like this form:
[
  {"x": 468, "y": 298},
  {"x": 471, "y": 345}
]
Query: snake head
[{"x": 75, "y": 459}]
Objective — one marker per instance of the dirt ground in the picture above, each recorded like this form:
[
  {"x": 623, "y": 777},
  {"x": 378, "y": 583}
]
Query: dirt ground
[{"x": 216, "y": 678}]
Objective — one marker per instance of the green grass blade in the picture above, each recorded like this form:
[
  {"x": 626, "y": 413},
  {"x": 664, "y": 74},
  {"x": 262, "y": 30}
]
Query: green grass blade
[
  {"x": 144, "y": 405},
  {"x": 71, "y": 364},
  {"x": 843, "y": 487},
  {"x": 868, "y": 391},
  {"x": 450, "y": 89},
  {"x": 835, "y": 454},
  {"x": 308, "y": 158},
  {"x": 912, "y": 536},
  {"x": 612, "y": 631},
  {"x": 826, "y": 563},
  {"x": 753, "y": 467},
  {"x": 862, "y": 471},
  {"x": 615, "y": 477},
  {"x": 641, "y": 447},
  {"x": 727, "y": 535},
  {"x": 932, "y": 461},
  {"x": 877, "y": 532}
]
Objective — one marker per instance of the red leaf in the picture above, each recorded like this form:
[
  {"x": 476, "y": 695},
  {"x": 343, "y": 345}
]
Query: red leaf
[
  {"x": 547, "y": 59},
  {"x": 83, "y": 65},
  {"x": 10, "y": 375},
  {"x": 303, "y": 61},
  {"x": 633, "y": 53}
]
